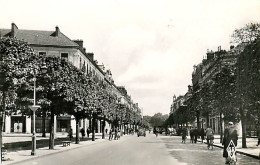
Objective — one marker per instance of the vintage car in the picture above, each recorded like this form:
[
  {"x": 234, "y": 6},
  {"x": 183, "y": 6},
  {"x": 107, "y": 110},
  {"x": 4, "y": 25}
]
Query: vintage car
[{"x": 141, "y": 132}]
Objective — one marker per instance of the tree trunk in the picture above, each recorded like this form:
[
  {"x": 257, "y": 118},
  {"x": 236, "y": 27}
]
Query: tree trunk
[
  {"x": 43, "y": 124},
  {"x": 243, "y": 123},
  {"x": 51, "y": 139},
  {"x": 90, "y": 124},
  {"x": 93, "y": 126},
  {"x": 198, "y": 120},
  {"x": 103, "y": 127},
  {"x": 221, "y": 127},
  {"x": 207, "y": 121},
  {"x": 77, "y": 130},
  {"x": 2, "y": 124},
  {"x": 240, "y": 94}
]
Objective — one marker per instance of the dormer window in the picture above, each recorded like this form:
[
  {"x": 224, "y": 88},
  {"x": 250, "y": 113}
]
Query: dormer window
[
  {"x": 42, "y": 53},
  {"x": 65, "y": 56}
]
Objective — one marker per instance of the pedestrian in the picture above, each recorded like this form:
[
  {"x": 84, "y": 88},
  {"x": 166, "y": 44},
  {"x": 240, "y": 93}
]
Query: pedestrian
[
  {"x": 258, "y": 136},
  {"x": 191, "y": 135},
  {"x": 202, "y": 134},
  {"x": 82, "y": 131},
  {"x": 70, "y": 131},
  {"x": 156, "y": 132},
  {"x": 209, "y": 135},
  {"x": 195, "y": 132},
  {"x": 88, "y": 132},
  {"x": 118, "y": 134},
  {"x": 230, "y": 133},
  {"x": 116, "y": 131},
  {"x": 184, "y": 134},
  {"x": 106, "y": 130},
  {"x": 110, "y": 134}
]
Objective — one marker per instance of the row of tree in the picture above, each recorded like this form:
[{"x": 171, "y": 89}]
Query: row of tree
[
  {"x": 61, "y": 88},
  {"x": 233, "y": 92}
]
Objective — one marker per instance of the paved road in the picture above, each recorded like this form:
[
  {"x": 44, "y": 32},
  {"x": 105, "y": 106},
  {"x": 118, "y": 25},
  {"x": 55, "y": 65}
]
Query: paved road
[
  {"x": 132, "y": 150},
  {"x": 198, "y": 154}
]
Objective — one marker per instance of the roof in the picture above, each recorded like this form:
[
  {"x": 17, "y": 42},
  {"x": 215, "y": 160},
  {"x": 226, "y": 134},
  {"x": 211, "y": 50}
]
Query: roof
[{"x": 41, "y": 38}]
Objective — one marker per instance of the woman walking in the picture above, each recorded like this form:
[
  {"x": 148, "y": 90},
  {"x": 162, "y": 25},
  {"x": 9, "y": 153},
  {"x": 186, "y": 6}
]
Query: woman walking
[{"x": 230, "y": 134}]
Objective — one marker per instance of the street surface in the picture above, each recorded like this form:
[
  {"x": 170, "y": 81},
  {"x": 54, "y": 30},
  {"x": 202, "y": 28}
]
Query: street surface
[{"x": 133, "y": 150}]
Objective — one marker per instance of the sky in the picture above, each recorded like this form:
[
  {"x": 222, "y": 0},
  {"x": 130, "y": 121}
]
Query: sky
[{"x": 150, "y": 46}]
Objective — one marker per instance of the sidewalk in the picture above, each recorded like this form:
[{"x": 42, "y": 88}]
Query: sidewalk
[
  {"x": 252, "y": 150},
  {"x": 23, "y": 155}
]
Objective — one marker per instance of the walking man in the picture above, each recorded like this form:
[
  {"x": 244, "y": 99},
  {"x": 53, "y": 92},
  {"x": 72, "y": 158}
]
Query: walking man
[
  {"x": 192, "y": 135},
  {"x": 195, "y": 132},
  {"x": 202, "y": 134}
]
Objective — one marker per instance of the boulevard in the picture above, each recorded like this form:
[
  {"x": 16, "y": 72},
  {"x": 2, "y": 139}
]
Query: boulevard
[
  {"x": 73, "y": 77},
  {"x": 133, "y": 150}
]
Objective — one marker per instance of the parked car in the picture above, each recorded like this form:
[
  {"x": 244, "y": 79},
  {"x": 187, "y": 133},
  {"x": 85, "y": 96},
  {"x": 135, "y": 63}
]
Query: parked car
[{"x": 141, "y": 132}]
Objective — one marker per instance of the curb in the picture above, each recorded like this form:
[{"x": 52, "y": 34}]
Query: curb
[
  {"x": 240, "y": 152},
  {"x": 69, "y": 149}
]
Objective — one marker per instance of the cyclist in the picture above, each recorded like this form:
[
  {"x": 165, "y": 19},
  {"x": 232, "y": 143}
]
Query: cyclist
[{"x": 210, "y": 137}]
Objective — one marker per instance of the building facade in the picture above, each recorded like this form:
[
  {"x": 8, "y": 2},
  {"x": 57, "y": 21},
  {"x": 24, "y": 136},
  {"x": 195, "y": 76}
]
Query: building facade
[{"x": 55, "y": 43}]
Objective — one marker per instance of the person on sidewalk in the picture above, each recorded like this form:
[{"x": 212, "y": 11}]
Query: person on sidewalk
[
  {"x": 202, "y": 134},
  {"x": 88, "y": 132},
  {"x": 110, "y": 134},
  {"x": 230, "y": 133},
  {"x": 116, "y": 132},
  {"x": 70, "y": 133},
  {"x": 184, "y": 134},
  {"x": 82, "y": 131},
  {"x": 209, "y": 135},
  {"x": 258, "y": 135},
  {"x": 196, "y": 133},
  {"x": 191, "y": 135}
]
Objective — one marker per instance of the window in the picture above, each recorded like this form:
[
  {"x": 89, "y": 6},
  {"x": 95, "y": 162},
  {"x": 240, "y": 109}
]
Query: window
[
  {"x": 42, "y": 53},
  {"x": 64, "y": 56}
]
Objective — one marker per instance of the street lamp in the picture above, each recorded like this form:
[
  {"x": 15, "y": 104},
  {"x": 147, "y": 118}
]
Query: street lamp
[{"x": 34, "y": 107}]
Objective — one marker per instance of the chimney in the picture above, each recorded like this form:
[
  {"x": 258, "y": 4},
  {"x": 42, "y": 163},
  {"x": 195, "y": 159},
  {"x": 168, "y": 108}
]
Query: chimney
[
  {"x": 57, "y": 31},
  {"x": 219, "y": 48},
  {"x": 80, "y": 43},
  {"x": 14, "y": 30},
  {"x": 91, "y": 56}
]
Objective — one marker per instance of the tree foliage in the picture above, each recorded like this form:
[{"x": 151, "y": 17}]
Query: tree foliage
[
  {"x": 247, "y": 34},
  {"x": 248, "y": 78},
  {"x": 158, "y": 119}
]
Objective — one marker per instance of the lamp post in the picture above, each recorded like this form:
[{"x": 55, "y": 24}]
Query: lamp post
[{"x": 34, "y": 107}]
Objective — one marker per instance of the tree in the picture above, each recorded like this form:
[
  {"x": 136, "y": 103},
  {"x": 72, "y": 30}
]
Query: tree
[
  {"x": 248, "y": 88},
  {"x": 146, "y": 120},
  {"x": 158, "y": 119},
  {"x": 247, "y": 34},
  {"x": 14, "y": 56}
]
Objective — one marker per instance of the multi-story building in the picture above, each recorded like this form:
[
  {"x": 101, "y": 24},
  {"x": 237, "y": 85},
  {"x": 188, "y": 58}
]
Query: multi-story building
[
  {"x": 55, "y": 43},
  {"x": 205, "y": 71}
]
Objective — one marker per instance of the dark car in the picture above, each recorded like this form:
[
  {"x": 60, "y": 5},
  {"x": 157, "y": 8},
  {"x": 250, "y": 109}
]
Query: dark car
[{"x": 141, "y": 133}]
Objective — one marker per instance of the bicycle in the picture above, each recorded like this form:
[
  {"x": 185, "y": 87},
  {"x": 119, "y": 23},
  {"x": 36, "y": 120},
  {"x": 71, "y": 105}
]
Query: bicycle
[{"x": 210, "y": 142}]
